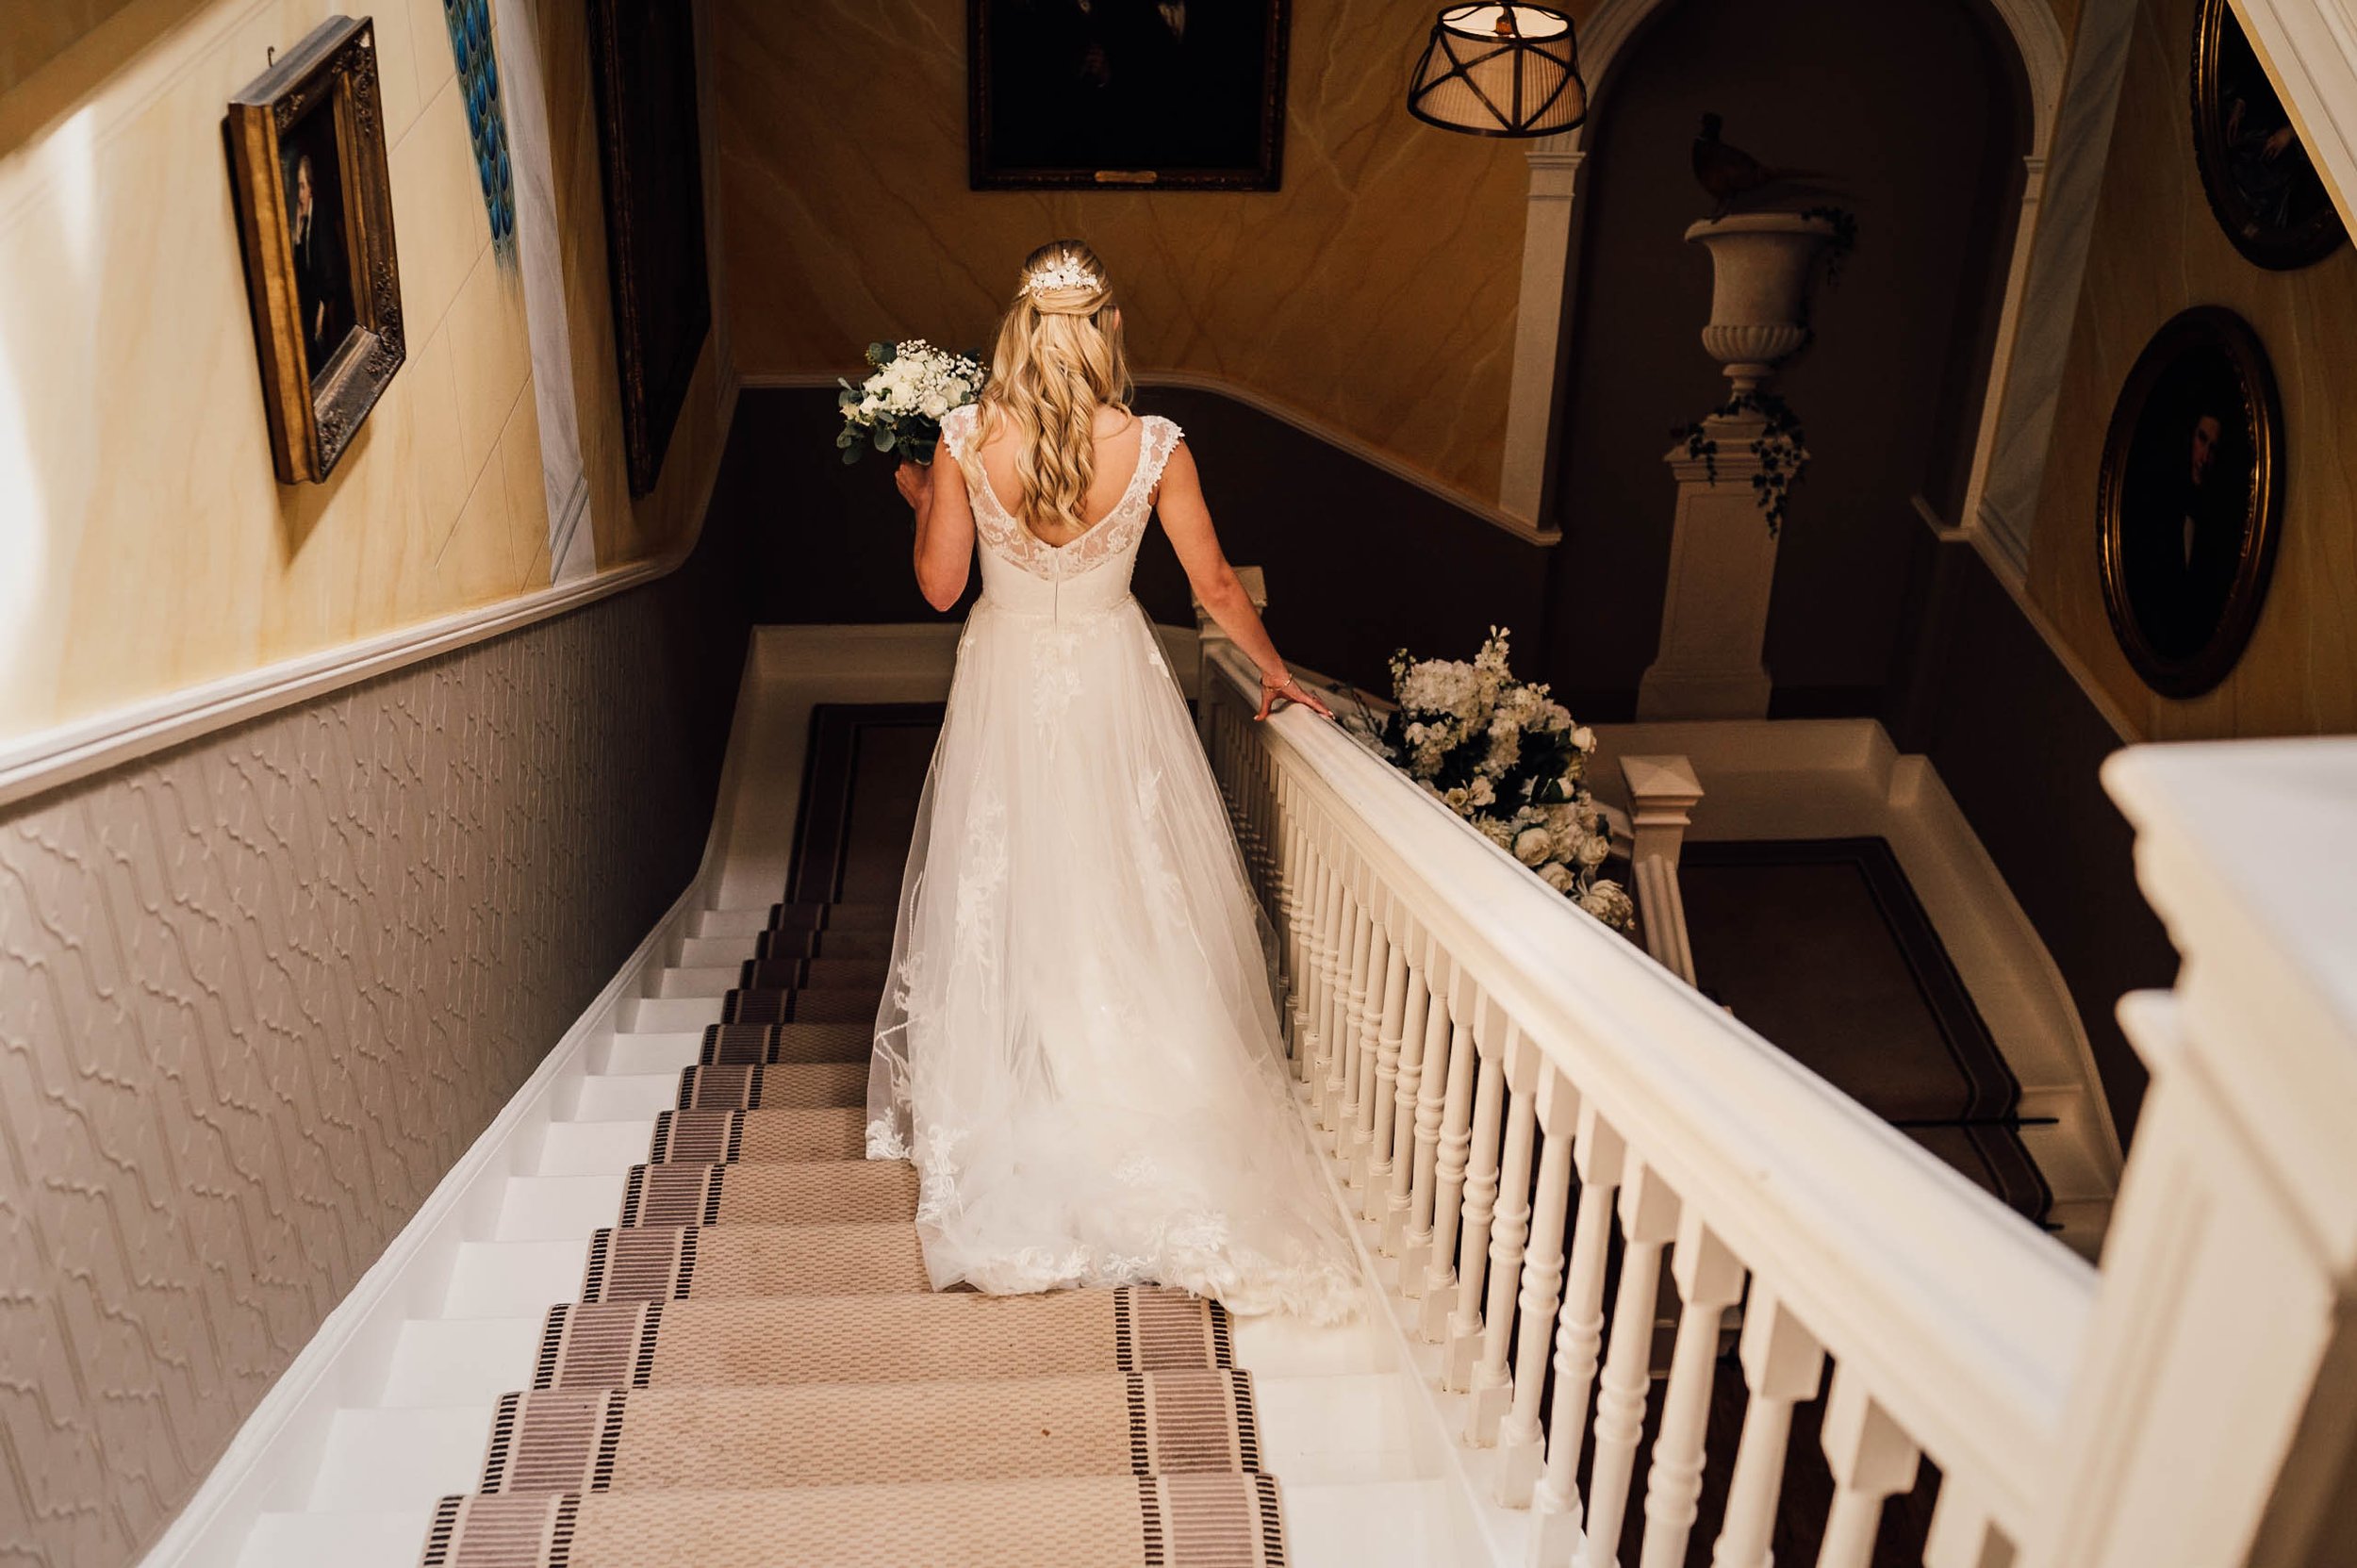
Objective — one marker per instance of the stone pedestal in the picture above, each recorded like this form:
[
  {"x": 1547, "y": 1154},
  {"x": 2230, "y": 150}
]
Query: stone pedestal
[
  {"x": 1723, "y": 557},
  {"x": 1714, "y": 610}
]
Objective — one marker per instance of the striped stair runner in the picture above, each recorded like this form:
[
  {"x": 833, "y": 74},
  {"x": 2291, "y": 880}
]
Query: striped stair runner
[{"x": 758, "y": 1372}]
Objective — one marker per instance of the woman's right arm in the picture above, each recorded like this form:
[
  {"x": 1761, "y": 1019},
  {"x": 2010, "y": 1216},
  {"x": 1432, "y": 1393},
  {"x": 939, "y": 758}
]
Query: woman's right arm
[
  {"x": 1187, "y": 518},
  {"x": 945, "y": 527}
]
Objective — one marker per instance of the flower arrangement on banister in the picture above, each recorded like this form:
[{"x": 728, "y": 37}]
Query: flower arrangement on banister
[{"x": 1507, "y": 759}]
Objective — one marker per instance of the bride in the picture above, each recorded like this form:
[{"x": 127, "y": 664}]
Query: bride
[{"x": 1077, "y": 1046}]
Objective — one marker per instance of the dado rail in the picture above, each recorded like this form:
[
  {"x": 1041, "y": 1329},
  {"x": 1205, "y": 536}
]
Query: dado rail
[{"x": 1526, "y": 1110}]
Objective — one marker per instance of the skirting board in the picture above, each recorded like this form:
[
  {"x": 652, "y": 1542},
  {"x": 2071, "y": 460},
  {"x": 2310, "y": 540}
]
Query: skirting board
[{"x": 276, "y": 1450}]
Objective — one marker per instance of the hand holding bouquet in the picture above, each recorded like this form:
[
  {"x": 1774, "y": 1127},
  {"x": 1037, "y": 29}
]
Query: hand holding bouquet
[{"x": 901, "y": 405}]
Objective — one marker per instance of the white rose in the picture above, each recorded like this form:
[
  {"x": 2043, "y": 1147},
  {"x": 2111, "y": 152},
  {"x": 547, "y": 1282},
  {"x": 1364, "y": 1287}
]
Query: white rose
[
  {"x": 1594, "y": 851},
  {"x": 1585, "y": 739},
  {"x": 1483, "y": 792},
  {"x": 1557, "y": 876},
  {"x": 1532, "y": 846},
  {"x": 936, "y": 405}
]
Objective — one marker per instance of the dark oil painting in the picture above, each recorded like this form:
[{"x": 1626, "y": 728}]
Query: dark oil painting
[
  {"x": 2268, "y": 196},
  {"x": 1185, "y": 93}
]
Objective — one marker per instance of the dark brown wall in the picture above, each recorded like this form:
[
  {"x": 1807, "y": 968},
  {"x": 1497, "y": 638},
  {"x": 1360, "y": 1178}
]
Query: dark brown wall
[
  {"x": 1358, "y": 562},
  {"x": 1910, "y": 106},
  {"x": 2018, "y": 742}
]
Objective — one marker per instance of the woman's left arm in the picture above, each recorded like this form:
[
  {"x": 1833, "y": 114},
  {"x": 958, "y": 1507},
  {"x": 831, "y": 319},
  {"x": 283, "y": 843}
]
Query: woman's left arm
[{"x": 945, "y": 527}]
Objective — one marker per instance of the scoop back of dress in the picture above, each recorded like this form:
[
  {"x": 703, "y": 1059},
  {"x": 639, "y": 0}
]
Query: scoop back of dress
[{"x": 1077, "y": 1046}]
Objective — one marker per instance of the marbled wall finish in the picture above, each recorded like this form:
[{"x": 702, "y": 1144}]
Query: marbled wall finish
[
  {"x": 1376, "y": 290},
  {"x": 257, "y": 994},
  {"x": 144, "y": 544},
  {"x": 2157, "y": 251}
]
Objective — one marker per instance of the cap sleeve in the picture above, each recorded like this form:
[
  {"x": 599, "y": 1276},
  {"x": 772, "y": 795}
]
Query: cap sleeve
[
  {"x": 957, "y": 429},
  {"x": 1161, "y": 439}
]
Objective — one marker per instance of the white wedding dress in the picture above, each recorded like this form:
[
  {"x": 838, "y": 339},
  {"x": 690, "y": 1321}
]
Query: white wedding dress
[{"x": 1077, "y": 1046}]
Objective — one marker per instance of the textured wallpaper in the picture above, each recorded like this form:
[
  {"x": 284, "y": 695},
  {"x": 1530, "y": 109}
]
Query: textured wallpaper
[{"x": 257, "y": 994}]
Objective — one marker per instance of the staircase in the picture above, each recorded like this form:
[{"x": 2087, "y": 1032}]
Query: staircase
[{"x": 696, "y": 1327}]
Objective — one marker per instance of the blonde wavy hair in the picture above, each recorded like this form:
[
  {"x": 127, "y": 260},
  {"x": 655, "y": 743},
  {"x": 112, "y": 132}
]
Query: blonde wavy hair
[{"x": 1058, "y": 355}]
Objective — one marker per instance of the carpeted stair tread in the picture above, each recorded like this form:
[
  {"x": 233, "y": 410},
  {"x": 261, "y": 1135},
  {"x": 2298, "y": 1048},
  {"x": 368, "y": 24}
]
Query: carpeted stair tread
[
  {"x": 812, "y": 974},
  {"x": 1102, "y": 1522},
  {"x": 788, "y": 1043},
  {"x": 952, "y": 1335},
  {"x": 809, "y": 1193},
  {"x": 818, "y": 942},
  {"x": 846, "y": 1434},
  {"x": 835, "y": 1132},
  {"x": 790, "y": 1086},
  {"x": 832, "y": 1005},
  {"x": 867, "y": 915},
  {"x": 676, "y": 1262}
]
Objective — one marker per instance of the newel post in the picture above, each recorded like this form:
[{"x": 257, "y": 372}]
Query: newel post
[
  {"x": 2214, "y": 1416},
  {"x": 1662, "y": 794}
]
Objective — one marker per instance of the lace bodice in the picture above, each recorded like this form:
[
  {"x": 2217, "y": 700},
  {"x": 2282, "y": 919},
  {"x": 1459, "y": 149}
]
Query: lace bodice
[{"x": 1085, "y": 575}]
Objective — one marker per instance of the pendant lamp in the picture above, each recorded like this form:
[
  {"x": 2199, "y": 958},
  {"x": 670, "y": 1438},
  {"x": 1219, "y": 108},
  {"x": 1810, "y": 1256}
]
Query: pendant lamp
[{"x": 1500, "y": 71}]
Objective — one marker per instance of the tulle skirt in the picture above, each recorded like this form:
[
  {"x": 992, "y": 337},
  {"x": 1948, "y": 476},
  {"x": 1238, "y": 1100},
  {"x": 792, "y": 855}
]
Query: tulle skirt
[{"x": 1078, "y": 1045}]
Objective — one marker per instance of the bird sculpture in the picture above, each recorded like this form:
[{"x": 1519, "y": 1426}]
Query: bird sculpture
[{"x": 1732, "y": 176}]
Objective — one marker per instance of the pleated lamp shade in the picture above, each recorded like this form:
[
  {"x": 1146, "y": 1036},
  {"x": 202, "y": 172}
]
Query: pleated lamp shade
[{"x": 1500, "y": 71}]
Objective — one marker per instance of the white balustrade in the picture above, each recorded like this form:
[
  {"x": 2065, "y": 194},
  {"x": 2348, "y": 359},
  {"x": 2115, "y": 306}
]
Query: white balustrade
[{"x": 1526, "y": 1102}]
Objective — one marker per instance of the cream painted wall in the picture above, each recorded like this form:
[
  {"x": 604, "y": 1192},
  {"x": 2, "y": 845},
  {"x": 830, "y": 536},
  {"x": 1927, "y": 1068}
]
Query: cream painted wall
[
  {"x": 145, "y": 543},
  {"x": 1377, "y": 289},
  {"x": 2157, "y": 250}
]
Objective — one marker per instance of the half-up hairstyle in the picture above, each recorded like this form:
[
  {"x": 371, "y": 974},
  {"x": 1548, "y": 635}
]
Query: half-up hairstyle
[{"x": 1059, "y": 356}]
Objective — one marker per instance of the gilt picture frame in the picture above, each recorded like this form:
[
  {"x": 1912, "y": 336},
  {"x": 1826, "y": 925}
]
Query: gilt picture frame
[
  {"x": 306, "y": 144},
  {"x": 2268, "y": 196},
  {"x": 1119, "y": 95},
  {"x": 2189, "y": 500},
  {"x": 643, "y": 63}
]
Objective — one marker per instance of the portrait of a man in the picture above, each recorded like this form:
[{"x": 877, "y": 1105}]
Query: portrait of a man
[
  {"x": 315, "y": 231},
  {"x": 2188, "y": 503},
  {"x": 2267, "y": 195},
  {"x": 1165, "y": 93}
]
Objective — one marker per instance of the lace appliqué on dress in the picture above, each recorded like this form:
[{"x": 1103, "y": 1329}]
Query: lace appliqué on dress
[{"x": 1110, "y": 535}]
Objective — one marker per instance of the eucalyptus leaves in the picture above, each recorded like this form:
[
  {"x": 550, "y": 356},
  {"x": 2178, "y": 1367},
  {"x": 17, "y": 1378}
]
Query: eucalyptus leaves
[{"x": 901, "y": 405}]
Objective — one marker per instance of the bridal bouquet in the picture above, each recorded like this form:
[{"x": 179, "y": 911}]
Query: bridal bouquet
[
  {"x": 1506, "y": 757},
  {"x": 901, "y": 405}
]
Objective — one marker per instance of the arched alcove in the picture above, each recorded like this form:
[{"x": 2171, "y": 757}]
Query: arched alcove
[{"x": 1923, "y": 113}]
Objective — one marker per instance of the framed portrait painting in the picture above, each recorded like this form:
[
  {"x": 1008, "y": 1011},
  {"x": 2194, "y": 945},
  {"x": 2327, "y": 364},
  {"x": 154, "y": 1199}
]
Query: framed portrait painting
[
  {"x": 1187, "y": 95},
  {"x": 643, "y": 61},
  {"x": 2188, "y": 501},
  {"x": 315, "y": 215},
  {"x": 2267, "y": 195}
]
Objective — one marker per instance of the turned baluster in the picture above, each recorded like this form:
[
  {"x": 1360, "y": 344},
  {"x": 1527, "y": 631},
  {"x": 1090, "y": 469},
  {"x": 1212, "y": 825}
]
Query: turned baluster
[
  {"x": 1397, "y": 1071},
  {"x": 1349, "y": 1017},
  {"x": 1520, "y": 1437},
  {"x": 1408, "y": 1230},
  {"x": 1303, "y": 901},
  {"x": 1708, "y": 1280},
  {"x": 1376, "y": 1091},
  {"x": 1510, "y": 1228},
  {"x": 1871, "y": 1459},
  {"x": 1597, "y": 1155},
  {"x": 1462, "y": 1329},
  {"x": 1359, "y": 1083},
  {"x": 1649, "y": 1213},
  {"x": 1963, "y": 1535},
  {"x": 1448, "y": 1171},
  {"x": 1783, "y": 1365},
  {"x": 1326, "y": 959}
]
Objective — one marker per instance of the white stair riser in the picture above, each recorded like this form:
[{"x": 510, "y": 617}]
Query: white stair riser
[
  {"x": 732, "y": 951},
  {"x": 651, "y": 1014},
  {"x": 462, "y": 1361},
  {"x": 515, "y": 1278},
  {"x": 385, "y": 1540},
  {"x": 626, "y": 1097},
  {"x": 382, "y": 1460},
  {"x": 638, "y": 1051},
  {"x": 716, "y": 979},
  {"x": 595, "y": 1148},
  {"x": 730, "y": 922},
  {"x": 559, "y": 1208}
]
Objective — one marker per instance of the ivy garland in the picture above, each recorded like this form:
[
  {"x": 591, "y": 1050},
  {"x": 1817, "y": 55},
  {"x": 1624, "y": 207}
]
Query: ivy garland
[{"x": 1781, "y": 448}]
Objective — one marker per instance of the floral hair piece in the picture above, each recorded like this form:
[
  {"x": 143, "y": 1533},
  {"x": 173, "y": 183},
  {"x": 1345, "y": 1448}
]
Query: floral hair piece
[{"x": 1057, "y": 277}]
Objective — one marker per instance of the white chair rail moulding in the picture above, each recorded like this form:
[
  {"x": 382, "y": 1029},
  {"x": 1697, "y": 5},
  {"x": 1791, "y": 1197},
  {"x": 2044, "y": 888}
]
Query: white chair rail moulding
[{"x": 1950, "y": 1321}]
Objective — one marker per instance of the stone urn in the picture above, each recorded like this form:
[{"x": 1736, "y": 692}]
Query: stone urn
[{"x": 1761, "y": 265}]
